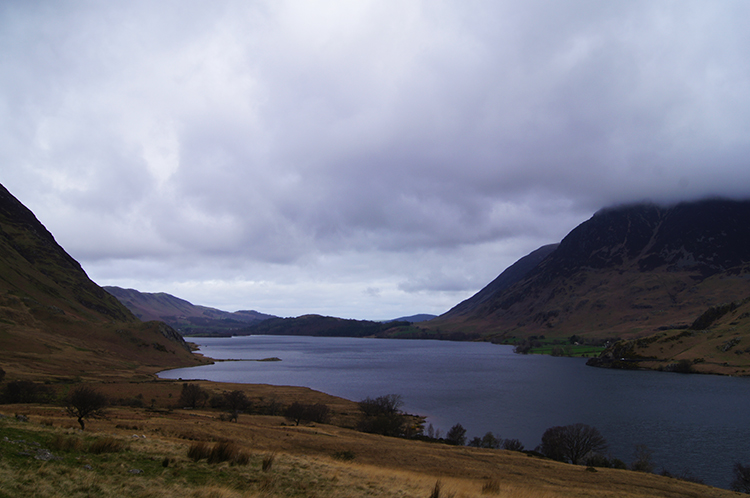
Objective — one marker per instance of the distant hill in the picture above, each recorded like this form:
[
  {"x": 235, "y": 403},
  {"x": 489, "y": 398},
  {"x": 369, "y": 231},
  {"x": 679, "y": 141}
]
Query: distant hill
[
  {"x": 323, "y": 326},
  {"x": 54, "y": 319},
  {"x": 187, "y": 318},
  {"x": 422, "y": 317},
  {"x": 627, "y": 272}
]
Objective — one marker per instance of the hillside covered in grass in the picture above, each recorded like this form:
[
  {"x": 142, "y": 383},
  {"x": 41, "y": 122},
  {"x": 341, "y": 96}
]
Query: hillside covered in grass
[
  {"x": 170, "y": 452},
  {"x": 627, "y": 273},
  {"x": 55, "y": 321}
]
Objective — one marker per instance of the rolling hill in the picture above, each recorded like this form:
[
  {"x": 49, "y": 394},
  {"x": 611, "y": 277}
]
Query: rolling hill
[
  {"x": 55, "y": 321},
  {"x": 185, "y": 317}
]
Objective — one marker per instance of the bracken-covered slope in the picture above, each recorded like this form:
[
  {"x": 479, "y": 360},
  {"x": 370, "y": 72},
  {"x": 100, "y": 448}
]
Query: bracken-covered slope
[
  {"x": 184, "y": 316},
  {"x": 55, "y": 321},
  {"x": 627, "y": 272}
]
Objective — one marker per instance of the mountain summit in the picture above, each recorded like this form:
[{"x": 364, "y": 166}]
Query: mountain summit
[{"x": 625, "y": 272}]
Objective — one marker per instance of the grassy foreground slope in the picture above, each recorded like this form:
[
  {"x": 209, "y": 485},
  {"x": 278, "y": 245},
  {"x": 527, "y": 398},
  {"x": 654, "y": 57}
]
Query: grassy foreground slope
[{"x": 145, "y": 454}]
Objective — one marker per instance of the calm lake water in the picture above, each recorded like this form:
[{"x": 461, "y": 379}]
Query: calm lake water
[{"x": 692, "y": 423}]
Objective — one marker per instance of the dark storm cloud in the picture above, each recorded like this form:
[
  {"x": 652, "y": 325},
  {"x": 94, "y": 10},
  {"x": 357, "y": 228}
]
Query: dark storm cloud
[{"x": 358, "y": 158}]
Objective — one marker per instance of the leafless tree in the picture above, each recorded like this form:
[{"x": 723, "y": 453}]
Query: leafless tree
[
  {"x": 236, "y": 402},
  {"x": 571, "y": 443},
  {"x": 85, "y": 402},
  {"x": 193, "y": 396}
]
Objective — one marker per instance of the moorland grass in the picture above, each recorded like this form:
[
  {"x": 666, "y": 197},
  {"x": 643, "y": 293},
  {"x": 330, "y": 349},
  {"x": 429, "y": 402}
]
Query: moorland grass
[{"x": 306, "y": 462}]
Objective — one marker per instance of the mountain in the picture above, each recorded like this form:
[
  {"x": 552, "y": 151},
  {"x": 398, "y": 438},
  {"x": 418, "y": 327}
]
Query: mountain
[
  {"x": 184, "y": 316},
  {"x": 626, "y": 273},
  {"x": 54, "y": 319},
  {"x": 510, "y": 276}
]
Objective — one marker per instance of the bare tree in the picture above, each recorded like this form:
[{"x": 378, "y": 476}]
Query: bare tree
[
  {"x": 643, "y": 459},
  {"x": 390, "y": 404},
  {"x": 193, "y": 396},
  {"x": 295, "y": 412},
  {"x": 298, "y": 412},
  {"x": 236, "y": 402},
  {"x": 572, "y": 442},
  {"x": 85, "y": 402}
]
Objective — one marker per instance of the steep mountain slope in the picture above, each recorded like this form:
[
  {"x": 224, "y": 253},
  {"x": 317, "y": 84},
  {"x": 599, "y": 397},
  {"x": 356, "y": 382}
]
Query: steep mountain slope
[
  {"x": 510, "y": 276},
  {"x": 626, "y": 272},
  {"x": 54, "y": 320},
  {"x": 184, "y": 316}
]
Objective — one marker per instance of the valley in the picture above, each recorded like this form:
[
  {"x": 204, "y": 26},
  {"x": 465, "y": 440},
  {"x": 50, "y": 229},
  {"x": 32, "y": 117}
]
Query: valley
[{"x": 60, "y": 330}]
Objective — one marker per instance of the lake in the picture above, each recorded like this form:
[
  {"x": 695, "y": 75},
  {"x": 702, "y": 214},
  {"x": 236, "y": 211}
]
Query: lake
[{"x": 692, "y": 423}]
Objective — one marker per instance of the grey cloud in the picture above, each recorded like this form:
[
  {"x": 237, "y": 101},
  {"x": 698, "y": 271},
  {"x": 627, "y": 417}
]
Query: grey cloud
[{"x": 286, "y": 134}]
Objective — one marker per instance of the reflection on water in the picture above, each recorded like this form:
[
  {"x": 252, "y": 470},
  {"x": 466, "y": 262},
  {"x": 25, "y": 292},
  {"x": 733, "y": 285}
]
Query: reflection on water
[{"x": 693, "y": 423}]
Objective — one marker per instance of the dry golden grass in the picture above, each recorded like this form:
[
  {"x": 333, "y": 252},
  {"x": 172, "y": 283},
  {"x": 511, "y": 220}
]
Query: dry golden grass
[{"x": 304, "y": 462}]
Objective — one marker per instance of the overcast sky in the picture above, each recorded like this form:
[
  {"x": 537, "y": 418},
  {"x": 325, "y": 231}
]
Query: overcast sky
[{"x": 362, "y": 159}]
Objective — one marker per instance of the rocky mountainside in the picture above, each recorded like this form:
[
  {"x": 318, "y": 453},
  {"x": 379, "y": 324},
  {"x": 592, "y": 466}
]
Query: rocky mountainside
[
  {"x": 54, "y": 319},
  {"x": 626, "y": 272},
  {"x": 184, "y": 316}
]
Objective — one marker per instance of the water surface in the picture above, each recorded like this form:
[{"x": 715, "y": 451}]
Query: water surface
[{"x": 692, "y": 423}]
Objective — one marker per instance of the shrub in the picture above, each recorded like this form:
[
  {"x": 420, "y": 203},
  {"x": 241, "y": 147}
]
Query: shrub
[
  {"x": 270, "y": 407},
  {"x": 66, "y": 443},
  {"x": 222, "y": 451},
  {"x": 345, "y": 456},
  {"x": 106, "y": 445},
  {"x": 682, "y": 366},
  {"x": 512, "y": 445},
  {"x": 193, "y": 396},
  {"x": 619, "y": 464},
  {"x": 226, "y": 451},
  {"x": 217, "y": 401},
  {"x": 491, "y": 487},
  {"x": 198, "y": 451},
  {"x": 436, "y": 490},
  {"x": 643, "y": 459},
  {"x": 318, "y": 413},
  {"x": 268, "y": 462},
  {"x": 26, "y": 391},
  {"x": 597, "y": 460},
  {"x": 386, "y": 425}
]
